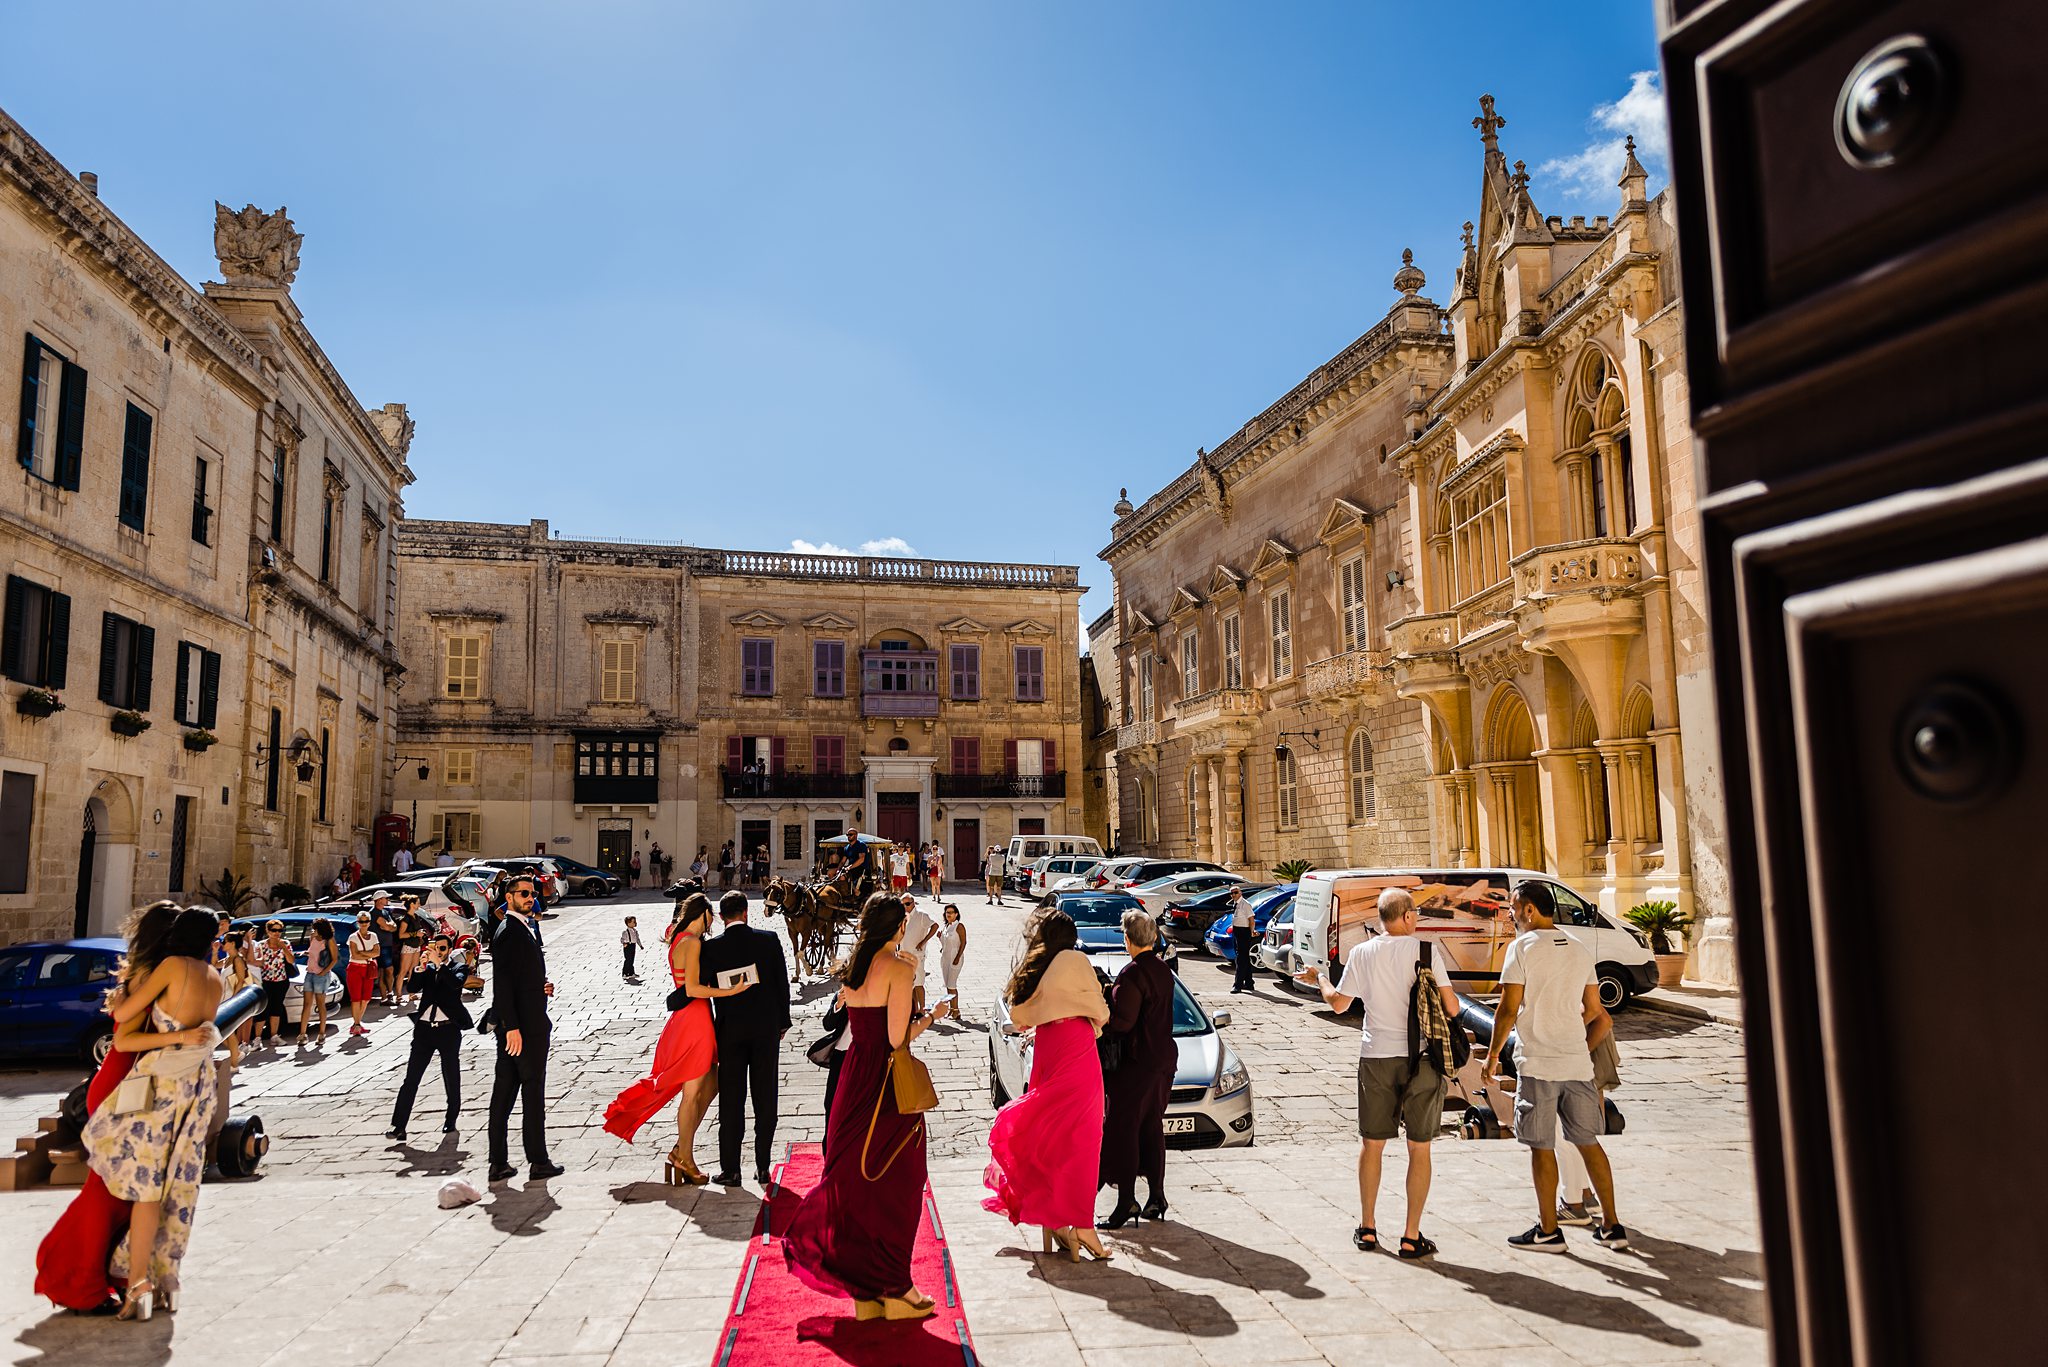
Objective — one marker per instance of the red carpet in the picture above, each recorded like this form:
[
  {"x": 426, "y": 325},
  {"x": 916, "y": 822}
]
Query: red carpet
[{"x": 777, "y": 1321}]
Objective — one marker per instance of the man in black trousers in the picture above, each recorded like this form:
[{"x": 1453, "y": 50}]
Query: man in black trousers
[
  {"x": 436, "y": 1029},
  {"x": 750, "y": 1027},
  {"x": 519, "y": 1011}
]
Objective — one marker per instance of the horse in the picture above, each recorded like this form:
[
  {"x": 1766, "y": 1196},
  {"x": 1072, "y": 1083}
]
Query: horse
[{"x": 801, "y": 908}]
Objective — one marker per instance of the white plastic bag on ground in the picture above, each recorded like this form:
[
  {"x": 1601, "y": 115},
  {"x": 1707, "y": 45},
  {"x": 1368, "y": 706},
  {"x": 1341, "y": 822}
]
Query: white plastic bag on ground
[{"x": 456, "y": 1193}]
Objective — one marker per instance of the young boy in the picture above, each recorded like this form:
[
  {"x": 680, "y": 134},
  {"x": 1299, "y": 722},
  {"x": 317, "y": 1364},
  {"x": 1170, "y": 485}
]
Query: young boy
[{"x": 630, "y": 939}]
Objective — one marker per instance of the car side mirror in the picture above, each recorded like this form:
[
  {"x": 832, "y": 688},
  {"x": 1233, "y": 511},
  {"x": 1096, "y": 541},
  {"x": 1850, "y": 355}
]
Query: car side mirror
[{"x": 1219, "y": 1019}]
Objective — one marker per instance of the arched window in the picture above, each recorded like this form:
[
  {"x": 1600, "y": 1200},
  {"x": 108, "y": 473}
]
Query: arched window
[
  {"x": 1600, "y": 479},
  {"x": 1365, "y": 793}
]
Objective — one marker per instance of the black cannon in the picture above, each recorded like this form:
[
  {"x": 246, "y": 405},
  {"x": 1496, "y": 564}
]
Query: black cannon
[{"x": 234, "y": 1144}]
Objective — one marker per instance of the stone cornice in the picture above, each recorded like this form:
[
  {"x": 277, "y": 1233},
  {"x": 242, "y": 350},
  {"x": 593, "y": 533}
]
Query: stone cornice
[{"x": 98, "y": 235}]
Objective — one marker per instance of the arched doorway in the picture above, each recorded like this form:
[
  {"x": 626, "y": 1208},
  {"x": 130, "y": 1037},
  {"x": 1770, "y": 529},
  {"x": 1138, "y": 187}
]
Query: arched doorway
[
  {"x": 1512, "y": 795},
  {"x": 89, "y": 867}
]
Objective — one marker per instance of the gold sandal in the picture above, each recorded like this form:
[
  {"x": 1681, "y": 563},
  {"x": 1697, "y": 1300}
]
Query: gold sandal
[
  {"x": 904, "y": 1308},
  {"x": 139, "y": 1302},
  {"x": 678, "y": 1171}
]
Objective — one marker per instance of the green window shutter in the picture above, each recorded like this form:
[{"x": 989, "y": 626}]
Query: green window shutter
[
  {"x": 57, "y": 634},
  {"x": 185, "y": 653},
  {"x": 31, "y": 375},
  {"x": 10, "y": 641},
  {"x": 135, "y": 467},
  {"x": 209, "y": 687},
  {"x": 71, "y": 426},
  {"x": 110, "y": 637},
  {"x": 145, "y": 666}
]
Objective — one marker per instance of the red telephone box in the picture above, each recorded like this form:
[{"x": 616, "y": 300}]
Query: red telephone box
[{"x": 391, "y": 832}]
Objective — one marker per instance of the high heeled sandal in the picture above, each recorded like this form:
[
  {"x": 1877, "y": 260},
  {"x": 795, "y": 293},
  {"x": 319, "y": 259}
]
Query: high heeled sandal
[
  {"x": 1101, "y": 1253},
  {"x": 678, "y": 1171},
  {"x": 1065, "y": 1238},
  {"x": 904, "y": 1308},
  {"x": 139, "y": 1303},
  {"x": 167, "y": 1301}
]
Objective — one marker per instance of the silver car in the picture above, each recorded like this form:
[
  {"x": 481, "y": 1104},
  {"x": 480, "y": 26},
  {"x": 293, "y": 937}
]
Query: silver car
[
  {"x": 1275, "y": 949},
  {"x": 1210, "y": 1106}
]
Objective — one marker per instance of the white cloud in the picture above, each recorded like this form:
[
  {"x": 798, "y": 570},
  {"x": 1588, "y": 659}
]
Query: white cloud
[
  {"x": 886, "y": 545},
  {"x": 1593, "y": 171}
]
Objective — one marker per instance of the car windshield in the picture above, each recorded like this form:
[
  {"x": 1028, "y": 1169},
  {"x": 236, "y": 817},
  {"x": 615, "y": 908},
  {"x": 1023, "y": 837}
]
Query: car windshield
[
  {"x": 1098, "y": 911},
  {"x": 1188, "y": 1018},
  {"x": 1284, "y": 916}
]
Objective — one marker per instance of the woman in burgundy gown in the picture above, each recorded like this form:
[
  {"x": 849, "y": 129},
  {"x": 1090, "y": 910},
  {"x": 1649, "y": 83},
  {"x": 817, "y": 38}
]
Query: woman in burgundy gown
[
  {"x": 686, "y": 1057},
  {"x": 1045, "y": 1148},
  {"x": 854, "y": 1234}
]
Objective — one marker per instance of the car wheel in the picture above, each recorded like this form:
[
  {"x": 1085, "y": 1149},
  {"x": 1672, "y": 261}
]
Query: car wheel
[
  {"x": 997, "y": 1097},
  {"x": 99, "y": 1044},
  {"x": 594, "y": 887},
  {"x": 1614, "y": 987}
]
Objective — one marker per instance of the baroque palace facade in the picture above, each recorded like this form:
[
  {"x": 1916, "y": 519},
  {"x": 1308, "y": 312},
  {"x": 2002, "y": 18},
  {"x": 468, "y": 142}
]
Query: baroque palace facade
[
  {"x": 198, "y": 567},
  {"x": 595, "y": 698},
  {"x": 1470, "y": 539}
]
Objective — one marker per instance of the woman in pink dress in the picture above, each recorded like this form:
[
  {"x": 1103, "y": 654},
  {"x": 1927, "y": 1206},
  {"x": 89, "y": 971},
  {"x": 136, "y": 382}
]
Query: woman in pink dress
[
  {"x": 1046, "y": 1147},
  {"x": 686, "y": 1057},
  {"x": 854, "y": 1233}
]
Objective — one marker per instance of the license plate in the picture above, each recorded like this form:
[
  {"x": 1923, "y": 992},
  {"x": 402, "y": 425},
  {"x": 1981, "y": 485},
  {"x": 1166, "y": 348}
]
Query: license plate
[{"x": 1179, "y": 1124}]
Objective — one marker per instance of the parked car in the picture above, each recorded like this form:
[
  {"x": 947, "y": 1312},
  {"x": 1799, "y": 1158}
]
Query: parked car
[
  {"x": 1054, "y": 868},
  {"x": 1189, "y": 920},
  {"x": 50, "y": 995},
  {"x": 298, "y": 928},
  {"x": 1161, "y": 893},
  {"x": 554, "y": 884},
  {"x": 1275, "y": 949},
  {"x": 1146, "y": 870},
  {"x": 1464, "y": 912},
  {"x": 587, "y": 881},
  {"x": 1210, "y": 1106},
  {"x": 455, "y": 902},
  {"x": 1024, "y": 849},
  {"x": 1099, "y": 919},
  {"x": 1106, "y": 874},
  {"x": 1266, "y": 904}
]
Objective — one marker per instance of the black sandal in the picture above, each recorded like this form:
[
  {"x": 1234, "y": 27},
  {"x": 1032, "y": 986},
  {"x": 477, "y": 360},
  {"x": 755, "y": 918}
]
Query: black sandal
[
  {"x": 1417, "y": 1247},
  {"x": 1365, "y": 1239}
]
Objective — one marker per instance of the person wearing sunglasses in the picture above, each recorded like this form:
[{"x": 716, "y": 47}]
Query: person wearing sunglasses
[
  {"x": 519, "y": 1011},
  {"x": 362, "y": 971},
  {"x": 275, "y": 962}
]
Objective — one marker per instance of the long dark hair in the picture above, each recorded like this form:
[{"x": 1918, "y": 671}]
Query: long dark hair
[
  {"x": 191, "y": 935},
  {"x": 146, "y": 930},
  {"x": 880, "y": 919},
  {"x": 1052, "y": 933},
  {"x": 687, "y": 911}
]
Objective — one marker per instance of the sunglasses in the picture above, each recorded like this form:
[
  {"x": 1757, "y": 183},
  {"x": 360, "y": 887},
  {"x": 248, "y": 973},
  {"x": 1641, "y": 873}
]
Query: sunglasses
[{"x": 276, "y": 929}]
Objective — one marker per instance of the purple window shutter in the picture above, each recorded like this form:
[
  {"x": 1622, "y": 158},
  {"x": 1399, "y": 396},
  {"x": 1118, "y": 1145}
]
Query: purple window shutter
[
  {"x": 757, "y": 666},
  {"x": 1052, "y": 763},
  {"x": 778, "y": 754},
  {"x": 1009, "y": 756},
  {"x": 1030, "y": 673},
  {"x": 966, "y": 673},
  {"x": 828, "y": 659}
]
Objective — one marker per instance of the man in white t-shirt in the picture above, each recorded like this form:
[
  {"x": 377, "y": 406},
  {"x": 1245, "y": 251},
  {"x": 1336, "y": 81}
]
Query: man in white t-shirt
[
  {"x": 920, "y": 933},
  {"x": 993, "y": 871},
  {"x": 1396, "y": 1083},
  {"x": 1550, "y": 989},
  {"x": 401, "y": 862}
]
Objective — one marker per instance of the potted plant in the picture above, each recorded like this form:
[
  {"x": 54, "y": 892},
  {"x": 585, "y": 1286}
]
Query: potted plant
[
  {"x": 1660, "y": 921},
  {"x": 199, "y": 738},
  {"x": 128, "y": 723},
  {"x": 39, "y": 702},
  {"x": 1291, "y": 870}
]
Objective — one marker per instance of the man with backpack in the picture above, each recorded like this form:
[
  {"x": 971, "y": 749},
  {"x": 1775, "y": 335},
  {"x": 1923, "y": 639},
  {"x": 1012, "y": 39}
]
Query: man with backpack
[{"x": 1401, "y": 1083}]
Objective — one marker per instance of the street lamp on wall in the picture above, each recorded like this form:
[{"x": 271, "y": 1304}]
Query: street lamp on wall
[
  {"x": 400, "y": 761},
  {"x": 1281, "y": 747},
  {"x": 301, "y": 754}
]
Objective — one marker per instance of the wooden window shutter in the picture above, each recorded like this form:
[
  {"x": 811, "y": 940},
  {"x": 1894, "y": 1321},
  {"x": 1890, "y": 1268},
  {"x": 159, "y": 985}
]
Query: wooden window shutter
[
  {"x": 1051, "y": 757},
  {"x": 135, "y": 442},
  {"x": 145, "y": 667},
  {"x": 10, "y": 643},
  {"x": 71, "y": 426},
  {"x": 209, "y": 687},
  {"x": 735, "y": 753},
  {"x": 31, "y": 376},
  {"x": 778, "y": 754},
  {"x": 184, "y": 684},
  {"x": 110, "y": 635},
  {"x": 57, "y": 640},
  {"x": 1009, "y": 756}
]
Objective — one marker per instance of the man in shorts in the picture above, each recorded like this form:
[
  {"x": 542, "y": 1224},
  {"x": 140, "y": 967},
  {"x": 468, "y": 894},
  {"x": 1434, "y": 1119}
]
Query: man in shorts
[
  {"x": 993, "y": 870},
  {"x": 1549, "y": 987},
  {"x": 1396, "y": 1083}
]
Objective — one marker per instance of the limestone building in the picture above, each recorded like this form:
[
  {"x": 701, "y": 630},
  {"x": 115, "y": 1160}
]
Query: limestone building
[
  {"x": 595, "y": 698},
  {"x": 1260, "y": 722},
  {"x": 1553, "y": 537},
  {"x": 144, "y": 589},
  {"x": 1100, "y": 679}
]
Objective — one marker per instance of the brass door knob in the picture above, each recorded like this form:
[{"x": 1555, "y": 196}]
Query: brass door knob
[{"x": 1891, "y": 103}]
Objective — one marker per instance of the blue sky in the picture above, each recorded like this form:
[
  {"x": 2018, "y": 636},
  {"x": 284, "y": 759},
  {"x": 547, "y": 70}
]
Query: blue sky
[{"x": 942, "y": 276}]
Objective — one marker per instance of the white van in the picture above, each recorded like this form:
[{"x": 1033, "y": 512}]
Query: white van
[
  {"x": 1025, "y": 848},
  {"x": 1464, "y": 912}
]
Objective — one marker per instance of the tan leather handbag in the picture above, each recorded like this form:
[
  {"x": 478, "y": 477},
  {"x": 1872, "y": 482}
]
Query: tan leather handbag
[{"x": 914, "y": 1094}]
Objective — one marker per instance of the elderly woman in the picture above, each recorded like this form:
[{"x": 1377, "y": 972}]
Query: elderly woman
[{"x": 1133, "y": 1127}]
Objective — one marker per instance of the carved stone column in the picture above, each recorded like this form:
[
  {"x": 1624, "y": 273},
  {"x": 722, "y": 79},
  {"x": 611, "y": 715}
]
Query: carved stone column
[
  {"x": 1204, "y": 832},
  {"x": 1622, "y": 811},
  {"x": 1233, "y": 852},
  {"x": 1464, "y": 820},
  {"x": 1578, "y": 499}
]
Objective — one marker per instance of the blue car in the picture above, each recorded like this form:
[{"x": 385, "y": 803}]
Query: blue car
[
  {"x": 50, "y": 996},
  {"x": 1264, "y": 905},
  {"x": 1099, "y": 922}
]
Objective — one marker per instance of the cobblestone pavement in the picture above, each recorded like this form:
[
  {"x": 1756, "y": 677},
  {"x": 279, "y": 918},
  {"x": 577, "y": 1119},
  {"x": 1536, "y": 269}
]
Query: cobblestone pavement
[{"x": 339, "y": 1253}]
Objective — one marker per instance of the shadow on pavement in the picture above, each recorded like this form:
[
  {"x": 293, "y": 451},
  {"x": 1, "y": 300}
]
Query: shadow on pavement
[
  {"x": 1196, "y": 1252},
  {"x": 100, "y": 1340},
  {"x": 1690, "y": 1277},
  {"x": 522, "y": 1212},
  {"x": 1566, "y": 1305},
  {"x": 443, "y": 1160},
  {"x": 1133, "y": 1296}
]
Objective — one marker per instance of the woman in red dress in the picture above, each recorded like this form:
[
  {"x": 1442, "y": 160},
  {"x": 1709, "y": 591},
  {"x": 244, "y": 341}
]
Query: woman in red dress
[
  {"x": 1045, "y": 1149},
  {"x": 686, "y": 1058},
  {"x": 854, "y": 1234}
]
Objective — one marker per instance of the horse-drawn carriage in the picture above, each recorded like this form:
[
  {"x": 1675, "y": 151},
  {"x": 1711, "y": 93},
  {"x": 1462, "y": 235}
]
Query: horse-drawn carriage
[{"x": 822, "y": 911}]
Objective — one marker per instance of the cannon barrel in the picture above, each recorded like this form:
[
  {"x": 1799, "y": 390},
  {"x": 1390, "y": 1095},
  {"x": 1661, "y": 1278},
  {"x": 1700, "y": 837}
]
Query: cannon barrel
[
  {"x": 237, "y": 1010},
  {"x": 1477, "y": 1018}
]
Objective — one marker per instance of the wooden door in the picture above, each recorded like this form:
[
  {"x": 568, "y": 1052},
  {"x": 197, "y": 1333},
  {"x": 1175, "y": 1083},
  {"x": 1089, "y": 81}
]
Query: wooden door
[
  {"x": 896, "y": 817},
  {"x": 966, "y": 858},
  {"x": 1862, "y": 197}
]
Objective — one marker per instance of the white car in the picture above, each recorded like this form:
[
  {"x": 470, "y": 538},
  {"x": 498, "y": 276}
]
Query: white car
[
  {"x": 1210, "y": 1106},
  {"x": 455, "y": 903},
  {"x": 1161, "y": 893},
  {"x": 1056, "y": 869}
]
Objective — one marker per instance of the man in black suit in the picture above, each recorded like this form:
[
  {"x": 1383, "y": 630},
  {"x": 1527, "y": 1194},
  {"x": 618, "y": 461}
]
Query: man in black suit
[
  {"x": 750, "y": 1027},
  {"x": 519, "y": 1010},
  {"x": 437, "y": 1028}
]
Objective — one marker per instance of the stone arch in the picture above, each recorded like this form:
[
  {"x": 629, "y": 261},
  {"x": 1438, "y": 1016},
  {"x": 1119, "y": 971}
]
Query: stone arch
[
  {"x": 1585, "y": 730},
  {"x": 1511, "y": 793},
  {"x": 1361, "y": 781},
  {"x": 1510, "y": 730},
  {"x": 1638, "y": 713},
  {"x": 106, "y": 867},
  {"x": 1595, "y": 466}
]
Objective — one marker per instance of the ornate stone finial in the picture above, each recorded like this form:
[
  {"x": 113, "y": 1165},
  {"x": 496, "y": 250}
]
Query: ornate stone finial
[
  {"x": 394, "y": 426},
  {"x": 1520, "y": 179},
  {"x": 1123, "y": 506},
  {"x": 1409, "y": 279},
  {"x": 1468, "y": 234},
  {"x": 256, "y": 248},
  {"x": 1489, "y": 124},
  {"x": 1634, "y": 180}
]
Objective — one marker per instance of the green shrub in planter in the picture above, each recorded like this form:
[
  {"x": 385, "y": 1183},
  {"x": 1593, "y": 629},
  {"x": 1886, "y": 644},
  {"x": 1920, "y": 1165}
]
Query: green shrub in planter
[
  {"x": 128, "y": 723},
  {"x": 1291, "y": 870},
  {"x": 289, "y": 895},
  {"x": 1660, "y": 921}
]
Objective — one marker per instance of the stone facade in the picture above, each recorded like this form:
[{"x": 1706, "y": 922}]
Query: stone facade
[
  {"x": 142, "y": 578},
  {"x": 1259, "y": 718},
  {"x": 1100, "y": 688},
  {"x": 594, "y": 699},
  {"x": 1551, "y": 531}
]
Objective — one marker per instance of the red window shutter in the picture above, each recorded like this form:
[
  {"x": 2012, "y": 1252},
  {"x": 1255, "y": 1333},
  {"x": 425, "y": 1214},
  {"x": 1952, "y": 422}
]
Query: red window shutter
[
  {"x": 778, "y": 754},
  {"x": 1051, "y": 757},
  {"x": 735, "y": 753},
  {"x": 1009, "y": 756}
]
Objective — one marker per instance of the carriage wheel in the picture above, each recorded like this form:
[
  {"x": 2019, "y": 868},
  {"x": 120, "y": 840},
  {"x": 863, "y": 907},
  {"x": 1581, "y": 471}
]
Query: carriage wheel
[{"x": 821, "y": 949}]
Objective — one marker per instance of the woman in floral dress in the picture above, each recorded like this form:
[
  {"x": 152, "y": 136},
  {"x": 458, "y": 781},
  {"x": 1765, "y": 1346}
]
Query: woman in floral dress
[{"x": 147, "y": 1141}]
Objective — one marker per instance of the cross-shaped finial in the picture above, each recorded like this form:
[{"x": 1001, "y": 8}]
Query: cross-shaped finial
[
  {"x": 1468, "y": 234},
  {"x": 1629, "y": 143},
  {"x": 1521, "y": 177},
  {"x": 1489, "y": 124}
]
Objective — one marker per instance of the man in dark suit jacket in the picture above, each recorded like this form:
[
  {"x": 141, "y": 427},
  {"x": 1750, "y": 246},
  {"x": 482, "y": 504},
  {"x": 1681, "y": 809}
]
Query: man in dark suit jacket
[
  {"x": 1133, "y": 1125},
  {"x": 750, "y": 1027},
  {"x": 519, "y": 1010},
  {"x": 437, "y": 1028}
]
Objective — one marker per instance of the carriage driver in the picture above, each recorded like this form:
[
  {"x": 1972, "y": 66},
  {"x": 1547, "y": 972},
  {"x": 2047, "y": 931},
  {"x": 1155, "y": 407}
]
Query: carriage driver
[{"x": 857, "y": 868}]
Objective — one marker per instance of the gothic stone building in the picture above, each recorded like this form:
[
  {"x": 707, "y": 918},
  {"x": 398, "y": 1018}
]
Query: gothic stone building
[
  {"x": 224, "y": 702},
  {"x": 597, "y": 698},
  {"x": 1259, "y": 718}
]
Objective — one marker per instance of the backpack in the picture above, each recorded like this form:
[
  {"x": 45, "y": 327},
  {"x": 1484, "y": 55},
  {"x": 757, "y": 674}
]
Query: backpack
[{"x": 1432, "y": 1033}]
